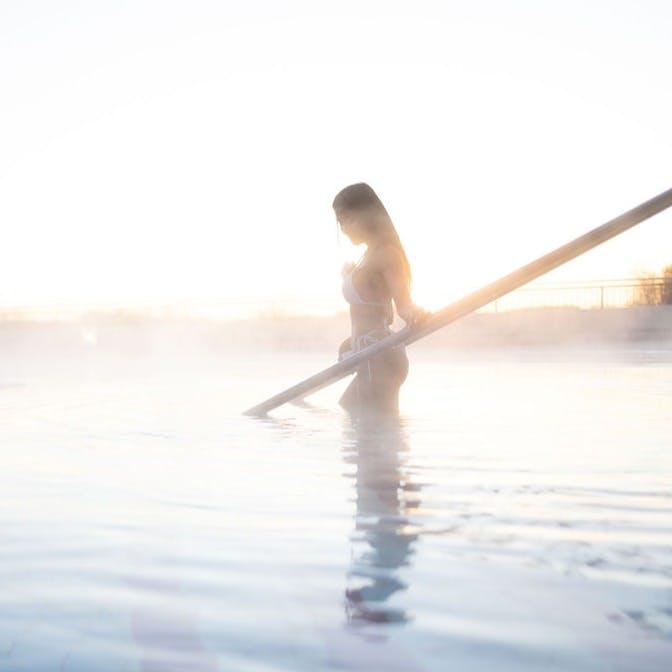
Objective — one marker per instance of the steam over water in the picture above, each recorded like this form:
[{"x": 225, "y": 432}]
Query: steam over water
[{"x": 518, "y": 516}]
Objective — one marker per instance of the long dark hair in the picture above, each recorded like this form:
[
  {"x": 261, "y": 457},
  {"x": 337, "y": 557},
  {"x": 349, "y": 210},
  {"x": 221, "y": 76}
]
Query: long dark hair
[{"x": 361, "y": 197}]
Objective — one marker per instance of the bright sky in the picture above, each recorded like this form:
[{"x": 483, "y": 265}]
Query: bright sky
[{"x": 153, "y": 149}]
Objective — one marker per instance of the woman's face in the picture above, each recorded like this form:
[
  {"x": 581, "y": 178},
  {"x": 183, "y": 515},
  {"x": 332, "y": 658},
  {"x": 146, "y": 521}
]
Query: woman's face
[{"x": 353, "y": 226}]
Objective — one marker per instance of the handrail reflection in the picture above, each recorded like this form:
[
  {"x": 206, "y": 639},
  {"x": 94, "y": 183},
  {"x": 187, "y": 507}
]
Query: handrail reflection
[{"x": 384, "y": 537}]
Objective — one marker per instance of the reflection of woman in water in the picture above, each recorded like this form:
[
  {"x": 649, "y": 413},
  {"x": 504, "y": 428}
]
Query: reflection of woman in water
[
  {"x": 384, "y": 537},
  {"x": 381, "y": 276}
]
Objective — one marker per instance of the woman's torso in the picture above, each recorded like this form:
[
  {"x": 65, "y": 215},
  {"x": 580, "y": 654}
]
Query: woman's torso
[{"x": 364, "y": 288}]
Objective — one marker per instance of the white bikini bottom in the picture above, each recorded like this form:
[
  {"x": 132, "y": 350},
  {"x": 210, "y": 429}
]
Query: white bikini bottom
[{"x": 361, "y": 342}]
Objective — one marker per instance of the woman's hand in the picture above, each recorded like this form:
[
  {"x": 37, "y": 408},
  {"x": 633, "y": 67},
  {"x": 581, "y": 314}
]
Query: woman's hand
[
  {"x": 345, "y": 349},
  {"x": 414, "y": 315}
]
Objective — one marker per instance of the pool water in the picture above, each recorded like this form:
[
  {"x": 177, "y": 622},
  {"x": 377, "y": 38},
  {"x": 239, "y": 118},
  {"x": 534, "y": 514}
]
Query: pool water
[{"x": 516, "y": 516}]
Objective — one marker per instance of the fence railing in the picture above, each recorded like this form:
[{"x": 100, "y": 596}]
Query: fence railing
[
  {"x": 616, "y": 293},
  {"x": 581, "y": 294}
]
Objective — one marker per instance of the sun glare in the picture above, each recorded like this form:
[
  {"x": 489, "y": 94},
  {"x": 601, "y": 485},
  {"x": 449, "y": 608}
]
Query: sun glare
[{"x": 199, "y": 161}]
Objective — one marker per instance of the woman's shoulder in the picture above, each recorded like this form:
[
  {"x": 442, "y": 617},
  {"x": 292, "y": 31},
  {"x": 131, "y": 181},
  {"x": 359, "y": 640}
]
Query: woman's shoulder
[{"x": 386, "y": 255}]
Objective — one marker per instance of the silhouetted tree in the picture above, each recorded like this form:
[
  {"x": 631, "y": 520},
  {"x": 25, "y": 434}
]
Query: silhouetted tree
[
  {"x": 649, "y": 290},
  {"x": 655, "y": 290},
  {"x": 666, "y": 290}
]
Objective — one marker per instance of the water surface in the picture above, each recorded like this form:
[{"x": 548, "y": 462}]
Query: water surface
[{"x": 517, "y": 516}]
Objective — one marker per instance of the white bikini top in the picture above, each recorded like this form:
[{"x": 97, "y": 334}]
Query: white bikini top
[
  {"x": 353, "y": 297},
  {"x": 350, "y": 292}
]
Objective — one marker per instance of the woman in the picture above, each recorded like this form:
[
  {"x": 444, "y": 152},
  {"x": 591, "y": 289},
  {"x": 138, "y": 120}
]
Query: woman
[{"x": 381, "y": 276}]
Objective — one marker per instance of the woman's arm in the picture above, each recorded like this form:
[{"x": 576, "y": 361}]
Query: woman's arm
[{"x": 394, "y": 273}]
